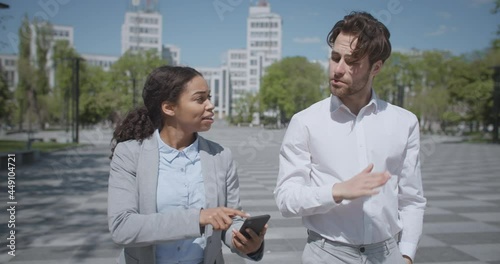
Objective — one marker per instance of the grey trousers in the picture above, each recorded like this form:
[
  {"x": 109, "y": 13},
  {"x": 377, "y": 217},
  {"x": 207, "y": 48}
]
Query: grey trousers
[{"x": 319, "y": 250}]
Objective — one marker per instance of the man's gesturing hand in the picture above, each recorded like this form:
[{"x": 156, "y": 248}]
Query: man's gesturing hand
[
  {"x": 220, "y": 217},
  {"x": 363, "y": 184}
]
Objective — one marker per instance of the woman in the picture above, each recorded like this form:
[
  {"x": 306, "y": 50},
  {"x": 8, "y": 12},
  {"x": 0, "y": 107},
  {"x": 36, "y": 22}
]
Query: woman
[{"x": 173, "y": 195}]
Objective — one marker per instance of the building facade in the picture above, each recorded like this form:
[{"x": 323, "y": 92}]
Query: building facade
[
  {"x": 102, "y": 61},
  {"x": 218, "y": 81},
  {"x": 171, "y": 54},
  {"x": 237, "y": 64},
  {"x": 8, "y": 66},
  {"x": 264, "y": 42},
  {"x": 142, "y": 28}
]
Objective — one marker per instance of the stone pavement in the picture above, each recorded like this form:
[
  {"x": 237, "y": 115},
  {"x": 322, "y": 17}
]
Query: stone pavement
[{"x": 61, "y": 210}]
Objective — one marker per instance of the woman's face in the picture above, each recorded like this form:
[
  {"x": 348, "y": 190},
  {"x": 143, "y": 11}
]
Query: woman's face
[{"x": 194, "y": 111}]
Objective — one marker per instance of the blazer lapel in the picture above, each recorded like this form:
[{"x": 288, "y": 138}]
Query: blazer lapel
[
  {"x": 209, "y": 172},
  {"x": 147, "y": 175}
]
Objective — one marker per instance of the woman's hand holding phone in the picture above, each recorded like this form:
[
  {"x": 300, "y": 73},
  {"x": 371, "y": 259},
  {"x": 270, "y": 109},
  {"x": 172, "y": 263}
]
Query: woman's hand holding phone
[
  {"x": 248, "y": 245},
  {"x": 251, "y": 234}
]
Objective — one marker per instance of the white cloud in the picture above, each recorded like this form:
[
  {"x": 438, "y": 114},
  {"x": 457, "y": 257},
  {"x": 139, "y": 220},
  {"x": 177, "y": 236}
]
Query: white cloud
[
  {"x": 441, "y": 30},
  {"x": 307, "y": 40},
  {"x": 480, "y": 2},
  {"x": 444, "y": 15}
]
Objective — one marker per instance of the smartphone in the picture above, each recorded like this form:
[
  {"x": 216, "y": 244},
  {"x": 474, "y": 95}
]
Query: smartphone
[{"x": 256, "y": 223}]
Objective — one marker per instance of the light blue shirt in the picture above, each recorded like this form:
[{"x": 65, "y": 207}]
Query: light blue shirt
[{"x": 180, "y": 186}]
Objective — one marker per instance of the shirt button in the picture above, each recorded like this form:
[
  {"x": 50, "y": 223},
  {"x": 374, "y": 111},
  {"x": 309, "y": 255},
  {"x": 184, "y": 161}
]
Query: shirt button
[
  {"x": 182, "y": 169},
  {"x": 362, "y": 249}
]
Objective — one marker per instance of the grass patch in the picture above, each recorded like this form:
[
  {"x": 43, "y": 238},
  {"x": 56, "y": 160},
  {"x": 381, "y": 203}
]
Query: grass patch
[
  {"x": 7, "y": 146},
  {"x": 479, "y": 137}
]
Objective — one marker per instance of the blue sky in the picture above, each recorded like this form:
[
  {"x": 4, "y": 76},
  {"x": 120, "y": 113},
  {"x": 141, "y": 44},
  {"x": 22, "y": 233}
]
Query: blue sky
[{"x": 203, "y": 34}]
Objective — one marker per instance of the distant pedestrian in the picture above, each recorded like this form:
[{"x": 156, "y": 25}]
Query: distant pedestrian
[
  {"x": 349, "y": 164},
  {"x": 174, "y": 195}
]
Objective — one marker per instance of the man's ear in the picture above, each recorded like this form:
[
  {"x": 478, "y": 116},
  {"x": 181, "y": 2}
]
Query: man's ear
[
  {"x": 168, "y": 108},
  {"x": 376, "y": 67}
]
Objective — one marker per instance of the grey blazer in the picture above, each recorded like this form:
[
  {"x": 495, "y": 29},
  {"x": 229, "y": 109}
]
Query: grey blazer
[{"x": 132, "y": 216}]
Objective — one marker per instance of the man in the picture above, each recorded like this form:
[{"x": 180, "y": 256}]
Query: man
[{"x": 349, "y": 164}]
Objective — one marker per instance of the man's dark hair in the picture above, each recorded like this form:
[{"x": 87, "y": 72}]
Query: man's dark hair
[{"x": 372, "y": 35}]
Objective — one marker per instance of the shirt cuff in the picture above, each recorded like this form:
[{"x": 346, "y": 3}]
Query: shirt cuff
[
  {"x": 408, "y": 249},
  {"x": 324, "y": 196},
  {"x": 257, "y": 255}
]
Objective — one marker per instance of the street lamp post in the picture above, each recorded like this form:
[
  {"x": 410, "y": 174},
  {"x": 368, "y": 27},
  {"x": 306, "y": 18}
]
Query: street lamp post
[
  {"x": 496, "y": 102},
  {"x": 134, "y": 92},
  {"x": 75, "y": 97},
  {"x": 132, "y": 75}
]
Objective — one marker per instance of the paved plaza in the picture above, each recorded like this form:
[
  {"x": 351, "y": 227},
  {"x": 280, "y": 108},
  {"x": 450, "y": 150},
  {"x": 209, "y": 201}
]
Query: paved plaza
[{"x": 61, "y": 210}]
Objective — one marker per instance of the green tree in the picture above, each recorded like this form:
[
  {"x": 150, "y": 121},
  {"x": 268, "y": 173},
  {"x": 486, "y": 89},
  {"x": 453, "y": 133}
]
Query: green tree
[
  {"x": 60, "y": 106},
  {"x": 470, "y": 90},
  {"x": 6, "y": 105},
  {"x": 41, "y": 89},
  {"x": 290, "y": 86},
  {"x": 97, "y": 100},
  {"x": 24, "y": 96},
  {"x": 496, "y": 41},
  {"x": 430, "y": 87},
  {"x": 33, "y": 87},
  {"x": 398, "y": 70},
  {"x": 245, "y": 107},
  {"x": 131, "y": 67}
]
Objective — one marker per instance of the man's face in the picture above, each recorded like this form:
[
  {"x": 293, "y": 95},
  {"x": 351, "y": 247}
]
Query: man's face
[{"x": 348, "y": 78}]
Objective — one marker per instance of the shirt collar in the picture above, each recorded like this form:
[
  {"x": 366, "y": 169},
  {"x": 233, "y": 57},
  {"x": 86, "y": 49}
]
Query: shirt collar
[
  {"x": 336, "y": 103},
  {"x": 169, "y": 153}
]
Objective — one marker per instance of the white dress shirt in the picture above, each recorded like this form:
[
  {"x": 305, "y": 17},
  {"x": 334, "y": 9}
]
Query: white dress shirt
[{"x": 327, "y": 144}]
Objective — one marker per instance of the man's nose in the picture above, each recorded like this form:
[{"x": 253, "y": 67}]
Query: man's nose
[{"x": 340, "y": 68}]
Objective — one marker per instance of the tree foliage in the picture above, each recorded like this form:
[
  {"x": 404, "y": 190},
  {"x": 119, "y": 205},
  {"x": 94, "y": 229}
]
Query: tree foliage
[
  {"x": 291, "y": 85},
  {"x": 6, "y": 103},
  {"x": 60, "y": 107},
  {"x": 25, "y": 72},
  {"x": 245, "y": 107},
  {"x": 131, "y": 67}
]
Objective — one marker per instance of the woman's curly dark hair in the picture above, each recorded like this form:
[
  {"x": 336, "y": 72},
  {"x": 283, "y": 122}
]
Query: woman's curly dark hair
[{"x": 164, "y": 83}]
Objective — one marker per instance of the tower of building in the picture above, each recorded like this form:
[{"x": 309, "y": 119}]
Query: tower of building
[
  {"x": 264, "y": 42},
  {"x": 142, "y": 28}
]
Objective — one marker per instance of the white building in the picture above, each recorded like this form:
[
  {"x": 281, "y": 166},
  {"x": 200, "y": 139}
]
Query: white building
[
  {"x": 63, "y": 33},
  {"x": 142, "y": 28},
  {"x": 220, "y": 88},
  {"x": 102, "y": 61},
  {"x": 237, "y": 63},
  {"x": 172, "y": 54},
  {"x": 8, "y": 65},
  {"x": 264, "y": 42}
]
